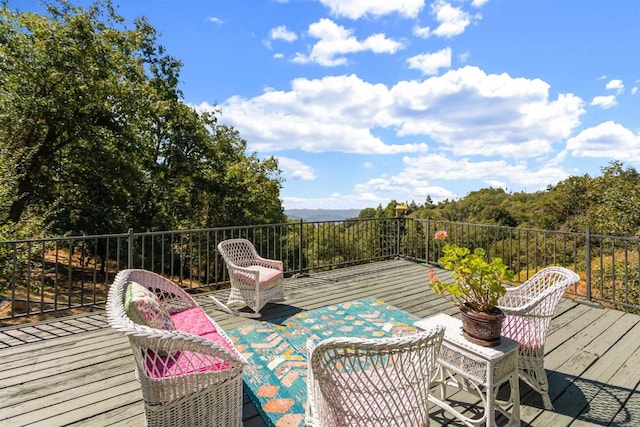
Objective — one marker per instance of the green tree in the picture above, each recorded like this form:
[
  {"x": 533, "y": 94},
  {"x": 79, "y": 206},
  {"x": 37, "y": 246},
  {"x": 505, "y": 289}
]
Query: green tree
[
  {"x": 485, "y": 206},
  {"x": 614, "y": 198},
  {"x": 563, "y": 206},
  {"x": 68, "y": 83},
  {"x": 428, "y": 203},
  {"x": 520, "y": 206},
  {"x": 95, "y": 136},
  {"x": 367, "y": 213}
]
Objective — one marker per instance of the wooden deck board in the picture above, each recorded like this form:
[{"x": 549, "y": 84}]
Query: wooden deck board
[{"x": 77, "y": 371}]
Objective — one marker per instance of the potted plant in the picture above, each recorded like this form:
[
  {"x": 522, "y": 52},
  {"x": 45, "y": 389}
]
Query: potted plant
[{"x": 476, "y": 288}]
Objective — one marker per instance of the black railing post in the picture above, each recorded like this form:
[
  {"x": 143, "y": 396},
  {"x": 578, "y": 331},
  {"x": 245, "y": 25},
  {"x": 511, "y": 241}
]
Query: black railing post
[
  {"x": 587, "y": 266},
  {"x": 130, "y": 249},
  {"x": 398, "y": 237},
  {"x": 426, "y": 241},
  {"x": 300, "y": 248}
]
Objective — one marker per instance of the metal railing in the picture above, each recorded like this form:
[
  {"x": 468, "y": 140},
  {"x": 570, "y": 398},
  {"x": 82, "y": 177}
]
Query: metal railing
[
  {"x": 39, "y": 276},
  {"x": 46, "y": 275},
  {"x": 609, "y": 266}
]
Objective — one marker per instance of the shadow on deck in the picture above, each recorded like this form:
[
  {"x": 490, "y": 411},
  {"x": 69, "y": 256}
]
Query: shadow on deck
[{"x": 78, "y": 371}]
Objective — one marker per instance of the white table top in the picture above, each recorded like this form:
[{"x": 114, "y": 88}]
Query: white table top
[{"x": 453, "y": 335}]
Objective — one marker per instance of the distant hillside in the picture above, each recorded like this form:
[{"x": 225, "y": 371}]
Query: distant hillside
[{"x": 321, "y": 214}]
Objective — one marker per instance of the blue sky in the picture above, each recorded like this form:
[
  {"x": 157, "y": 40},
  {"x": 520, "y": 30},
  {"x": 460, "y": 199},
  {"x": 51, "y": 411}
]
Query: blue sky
[{"x": 365, "y": 101}]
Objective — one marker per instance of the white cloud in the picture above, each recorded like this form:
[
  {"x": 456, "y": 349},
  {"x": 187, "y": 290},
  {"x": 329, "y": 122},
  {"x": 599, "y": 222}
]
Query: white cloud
[
  {"x": 464, "y": 111},
  {"x": 401, "y": 187},
  {"x": 215, "y": 20},
  {"x": 431, "y": 63},
  {"x": 421, "y": 175},
  {"x": 296, "y": 169},
  {"x": 278, "y": 55},
  {"x": 606, "y": 140},
  {"x": 379, "y": 43},
  {"x": 634, "y": 90},
  {"x": 439, "y": 167},
  {"x": 355, "y": 9},
  {"x": 336, "y": 40},
  {"x": 329, "y": 114},
  {"x": 616, "y": 85},
  {"x": 478, "y": 3},
  {"x": 452, "y": 21},
  {"x": 604, "y": 101},
  {"x": 475, "y": 113},
  {"x": 423, "y": 32},
  {"x": 367, "y": 165},
  {"x": 336, "y": 201},
  {"x": 496, "y": 184},
  {"x": 281, "y": 33}
]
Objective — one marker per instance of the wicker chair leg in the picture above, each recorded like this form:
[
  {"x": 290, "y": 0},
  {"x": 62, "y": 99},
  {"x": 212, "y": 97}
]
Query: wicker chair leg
[
  {"x": 543, "y": 389},
  {"x": 547, "y": 402},
  {"x": 537, "y": 380}
]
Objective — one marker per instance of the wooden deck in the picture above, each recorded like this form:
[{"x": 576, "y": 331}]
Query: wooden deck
[{"x": 77, "y": 371}]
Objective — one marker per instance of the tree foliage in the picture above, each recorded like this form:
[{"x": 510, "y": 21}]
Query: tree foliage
[
  {"x": 95, "y": 136},
  {"x": 606, "y": 204},
  {"x": 613, "y": 200}
]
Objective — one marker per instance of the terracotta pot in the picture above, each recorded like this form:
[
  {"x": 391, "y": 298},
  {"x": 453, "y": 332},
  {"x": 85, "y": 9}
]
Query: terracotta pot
[{"x": 481, "y": 328}]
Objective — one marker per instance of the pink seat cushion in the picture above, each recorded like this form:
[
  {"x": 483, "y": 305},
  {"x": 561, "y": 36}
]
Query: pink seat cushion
[
  {"x": 267, "y": 276},
  {"x": 196, "y": 322}
]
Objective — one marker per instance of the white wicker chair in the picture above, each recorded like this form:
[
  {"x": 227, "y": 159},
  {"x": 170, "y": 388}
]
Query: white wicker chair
[
  {"x": 371, "y": 382},
  {"x": 529, "y": 309},
  {"x": 254, "y": 280},
  {"x": 186, "y": 380}
]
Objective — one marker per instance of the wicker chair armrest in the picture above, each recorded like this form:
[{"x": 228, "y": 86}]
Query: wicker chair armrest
[
  {"x": 511, "y": 289},
  {"x": 559, "y": 275},
  {"x": 518, "y": 289},
  {"x": 518, "y": 304},
  {"x": 171, "y": 369},
  {"x": 270, "y": 263},
  {"x": 521, "y": 310},
  {"x": 173, "y": 341},
  {"x": 237, "y": 268},
  {"x": 243, "y": 277}
]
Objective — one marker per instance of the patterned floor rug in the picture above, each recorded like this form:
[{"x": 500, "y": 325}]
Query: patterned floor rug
[{"x": 276, "y": 376}]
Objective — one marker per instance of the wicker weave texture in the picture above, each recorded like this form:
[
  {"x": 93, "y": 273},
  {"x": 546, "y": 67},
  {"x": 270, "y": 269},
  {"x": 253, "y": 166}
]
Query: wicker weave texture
[
  {"x": 371, "y": 382},
  {"x": 206, "y": 390},
  {"x": 249, "y": 286},
  {"x": 529, "y": 309}
]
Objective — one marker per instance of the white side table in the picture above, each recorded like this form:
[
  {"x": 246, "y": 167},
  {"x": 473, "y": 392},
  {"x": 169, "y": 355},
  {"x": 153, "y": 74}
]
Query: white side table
[{"x": 466, "y": 365}]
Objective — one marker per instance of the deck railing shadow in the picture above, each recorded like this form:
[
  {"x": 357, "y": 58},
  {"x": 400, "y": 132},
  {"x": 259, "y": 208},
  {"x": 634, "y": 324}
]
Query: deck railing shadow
[
  {"x": 12, "y": 336},
  {"x": 593, "y": 401},
  {"x": 574, "y": 397}
]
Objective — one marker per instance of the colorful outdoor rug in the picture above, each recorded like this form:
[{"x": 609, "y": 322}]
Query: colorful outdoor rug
[{"x": 276, "y": 376}]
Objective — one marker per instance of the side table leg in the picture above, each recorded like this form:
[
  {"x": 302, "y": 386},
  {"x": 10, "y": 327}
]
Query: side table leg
[
  {"x": 443, "y": 382},
  {"x": 514, "y": 383},
  {"x": 489, "y": 411}
]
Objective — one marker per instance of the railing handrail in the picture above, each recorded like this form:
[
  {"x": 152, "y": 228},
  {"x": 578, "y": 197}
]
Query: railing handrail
[{"x": 306, "y": 246}]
